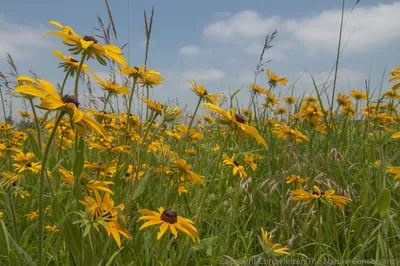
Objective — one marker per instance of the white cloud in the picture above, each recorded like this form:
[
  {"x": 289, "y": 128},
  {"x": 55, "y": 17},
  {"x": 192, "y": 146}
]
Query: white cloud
[
  {"x": 246, "y": 77},
  {"x": 348, "y": 78},
  {"x": 19, "y": 40},
  {"x": 367, "y": 27},
  {"x": 190, "y": 50},
  {"x": 210, "y": 74},
  {"x": 247, "y": 24}
]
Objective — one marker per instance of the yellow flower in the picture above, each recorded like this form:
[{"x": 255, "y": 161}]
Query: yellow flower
[
  {"x": 51, "y": 228},
  {"x": 31, "y": 216},
  {"x": 284, "y": 132},
  {"x": 184, "y": 172},
  {"x": 89, "y": 45},
  {"x": 359, "y": 95},
  {"x": 273, "y": 79},
  {"x": 168, "y": 219},
  {"x": 170, "y": 114},
  {"x": 110, "y": 86},
  {"x": 1, "y": 214},
  {"x": 150, "y": 79},
  {"x": 290, "y": 99},
  {"x": 9, "y": 179},
  {"x": 209, "y": 119},
  {"x": 275, "y": 248},
  {"x": 396, "y": 135},
  {"x": 298, "y": 179},
  {"x": 154, "y": 106},
  {"x": 257, "y": 89},
  {"x": 343, "y": 100},
  {"x": 237, "y": 168},
  {"x": 249, "y": 159},
  {"x": 102, "y": 209},
  {"x": 327, "y": 196},
  {"x": 134, "y": 72},
  {"x": 235, "y": 122},
  {"x": 203, "y": 94},
  {"x": 66, "y": 175},
  {"x": 23, "y": 163},
  {"x": 393, "y": 170},
  {"x": 50, "y": 100},
  {"x": 70, "y": 64}
]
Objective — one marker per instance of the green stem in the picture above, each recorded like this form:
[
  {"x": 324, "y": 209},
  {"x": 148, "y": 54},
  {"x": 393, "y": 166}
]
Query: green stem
[
  {"x": 106, "y": 101},
  {"x": 78, "y": 74},
  {"x": 36, "y": 122},
  {"x": 319, "y": 229},
  {"x": 41, "y": 183},
  {"x": 13, "y": 216},
  {"x": 205, "y": 191},
  {"x": 64, "y": 81},
  {"x": 194, "y": 114}
]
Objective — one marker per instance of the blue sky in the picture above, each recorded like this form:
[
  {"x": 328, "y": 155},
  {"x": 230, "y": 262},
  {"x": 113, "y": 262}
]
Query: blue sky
[{"x": 217, "y": 43}]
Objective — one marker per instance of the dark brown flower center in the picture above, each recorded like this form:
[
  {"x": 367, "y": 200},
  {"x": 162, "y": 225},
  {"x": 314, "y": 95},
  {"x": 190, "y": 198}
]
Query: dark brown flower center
[
  {"x": 8, "y": 146},
  {"x": 73, "y": 60},
  {"x": 235, "y": 163},
  {"x": 90, "y": 39},
  {"x": 70, "y": 99},
  {"x": 28, "y": 165},
  {"x": 240, "y": 118},
  {"x": 169, "y": 216},
  {"x": 205, "y": 92}
]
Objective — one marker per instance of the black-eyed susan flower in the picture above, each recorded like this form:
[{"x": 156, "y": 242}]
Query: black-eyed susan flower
[
  {"x": 151, "y": 79},
  {"x": 249, "y": 159},
  {"x": 153, "y": 105},
  {"x": 393, "y": 170},
  {"x": 168, "y": 219},
  {"x": 23, "y": 162},
  {"x": 102, "y": 211},
  {"x": 88, "y": 44},
  {"x": 70, "y": 65},
  {"x": 284, "y": 132},
  {"x": 290, "y": 99},
  {"x": 327, "y": 196},
  {"x": 297, "y": 179},
  {"x": 358, "y": 95},
  {"x": 203, "y": 94},
  {"x": 235, "y": 122},
  {"x": 274, "y": 248},
  {"x": 134, "y": 72},
  {"x": 184, "y": 173},
  {"x": 50, "y": 100},
  {"x": 9, "y": 179},
  {"x": 342, "y": 100},
  {"x": 236, "y": 167},
  {"x": 257, "y": 89},
  {"x": 273, "y": 79},
  {"x": 111, "y": 87}
]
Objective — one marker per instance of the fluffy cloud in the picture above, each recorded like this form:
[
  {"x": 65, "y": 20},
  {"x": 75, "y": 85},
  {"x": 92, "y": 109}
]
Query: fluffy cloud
[
  {"x": 19, "y": 40},
  {"x": 210, "y": 74},
  {"x": 246, "y": 24},
  {"x": 365, "y": 28},
  {"x": 191, "y": 50}
]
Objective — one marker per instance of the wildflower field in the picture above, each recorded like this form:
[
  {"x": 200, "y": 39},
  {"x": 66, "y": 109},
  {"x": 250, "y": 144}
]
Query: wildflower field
[{"x": 302, "y": 177}]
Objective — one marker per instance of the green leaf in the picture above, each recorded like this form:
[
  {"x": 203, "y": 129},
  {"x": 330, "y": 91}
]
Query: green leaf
[
  {"x": 79, "y": 158},
  {"x": 384, "y": 201},
  {"x": 13, "y": 258},
  {"x": 140, "y": 187},
  {"x": 35, "y": 146},
  {"x": 112, "y": 258},
  {"x": 72, "y": 236},
  {"x": 57, "y": 210}
]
